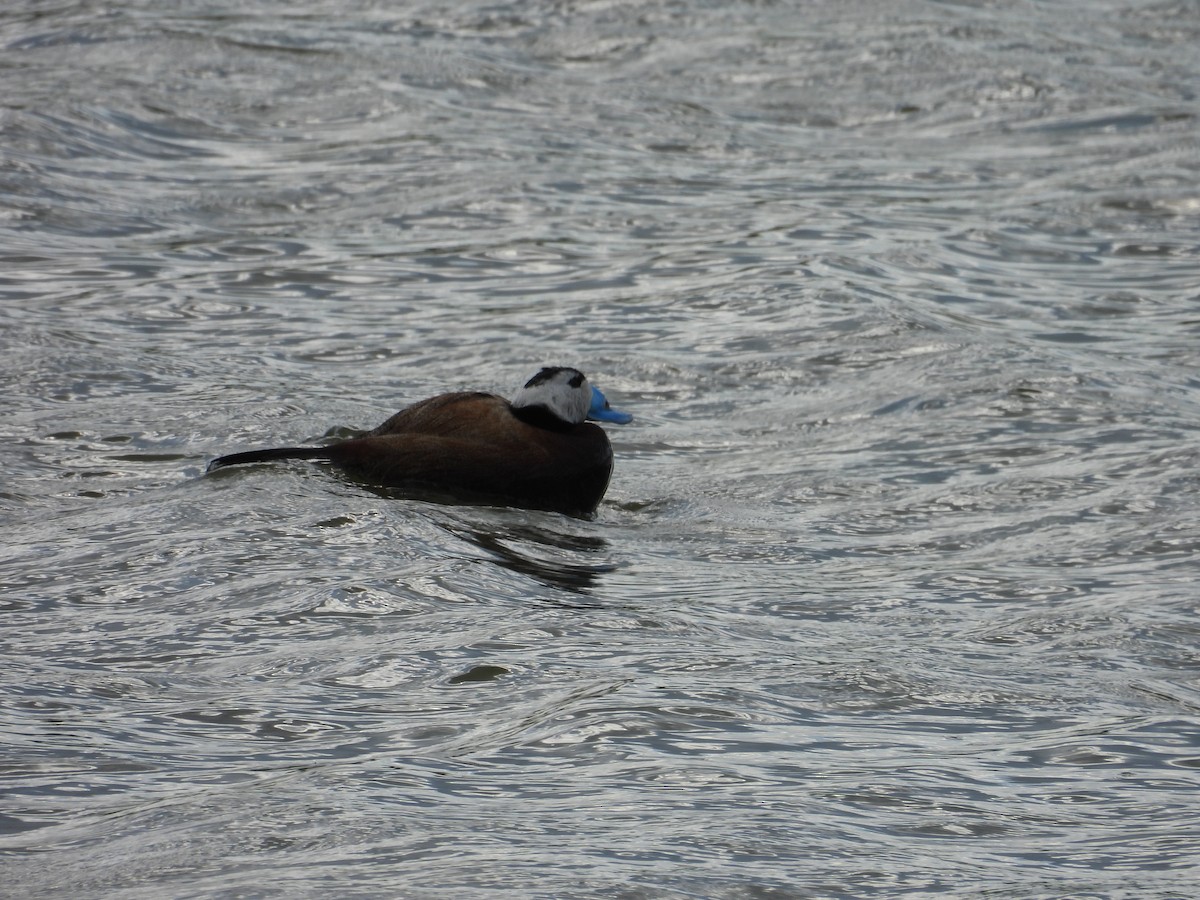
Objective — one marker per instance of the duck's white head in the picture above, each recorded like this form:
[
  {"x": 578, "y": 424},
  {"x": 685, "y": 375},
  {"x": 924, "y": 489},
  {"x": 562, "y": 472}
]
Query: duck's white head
[{"x": 565, "y": 394}]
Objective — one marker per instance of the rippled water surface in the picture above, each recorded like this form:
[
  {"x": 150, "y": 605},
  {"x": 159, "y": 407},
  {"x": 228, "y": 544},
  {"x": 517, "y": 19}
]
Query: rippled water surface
[{"x": 893, "y": 592}]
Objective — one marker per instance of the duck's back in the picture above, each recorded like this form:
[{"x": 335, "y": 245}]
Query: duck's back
[
  {"x": 473, "y": 443},
  {"x": 465, "y": 414}
]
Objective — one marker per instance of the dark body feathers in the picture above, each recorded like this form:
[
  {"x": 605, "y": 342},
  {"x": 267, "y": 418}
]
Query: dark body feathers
[{"x": 476, "y": 446}]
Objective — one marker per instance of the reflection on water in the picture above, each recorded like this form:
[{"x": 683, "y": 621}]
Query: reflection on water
[
  {"x": 555, "y": 558},
  {"x": 892, "y": 591}
]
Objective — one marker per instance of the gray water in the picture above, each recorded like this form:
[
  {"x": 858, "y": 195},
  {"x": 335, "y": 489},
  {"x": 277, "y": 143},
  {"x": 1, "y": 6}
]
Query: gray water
[{"x": 894, "y": 589}]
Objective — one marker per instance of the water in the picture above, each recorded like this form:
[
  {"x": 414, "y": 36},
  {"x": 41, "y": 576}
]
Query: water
[{"x": 893, "y": 592}]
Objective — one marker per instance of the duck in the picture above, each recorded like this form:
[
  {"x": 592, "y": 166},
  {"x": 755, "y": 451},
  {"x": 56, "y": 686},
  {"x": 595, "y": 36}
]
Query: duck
[{"x": 540, "y": 450}]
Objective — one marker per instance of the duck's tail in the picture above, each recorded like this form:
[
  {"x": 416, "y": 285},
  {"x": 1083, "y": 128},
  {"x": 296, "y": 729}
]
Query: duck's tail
[{"x": 255, "y": 456}]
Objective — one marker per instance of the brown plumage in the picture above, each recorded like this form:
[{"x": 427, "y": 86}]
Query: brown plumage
[{"x": 477, "y": 446}]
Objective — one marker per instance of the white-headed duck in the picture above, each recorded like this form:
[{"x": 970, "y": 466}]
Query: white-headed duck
[{"x": 537, "y": 451}]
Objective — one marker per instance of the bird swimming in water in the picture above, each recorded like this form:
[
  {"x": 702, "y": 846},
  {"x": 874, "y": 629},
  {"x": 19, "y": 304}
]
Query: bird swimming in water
[{"x": 537, "y": 451}]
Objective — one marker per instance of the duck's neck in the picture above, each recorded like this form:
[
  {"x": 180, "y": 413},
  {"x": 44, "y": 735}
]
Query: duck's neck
[{"x": 541, "y": 417}]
